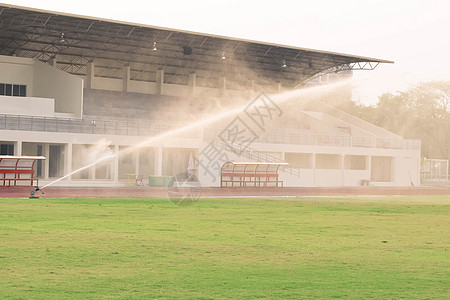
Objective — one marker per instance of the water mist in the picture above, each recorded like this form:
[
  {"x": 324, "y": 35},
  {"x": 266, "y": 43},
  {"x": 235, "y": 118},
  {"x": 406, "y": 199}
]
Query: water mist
[{"x": 277, "y": 99}]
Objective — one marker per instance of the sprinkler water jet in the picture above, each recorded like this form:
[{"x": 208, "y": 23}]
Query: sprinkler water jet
[{"x": 277, "y": 99}]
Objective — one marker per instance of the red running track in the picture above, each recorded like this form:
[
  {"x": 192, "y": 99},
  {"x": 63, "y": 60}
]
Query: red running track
[{"x": 54, "y": 192}]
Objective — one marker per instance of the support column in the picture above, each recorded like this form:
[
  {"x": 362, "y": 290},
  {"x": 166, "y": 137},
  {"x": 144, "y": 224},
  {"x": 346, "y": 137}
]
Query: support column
[
  {"x": 342, "y": 168},
  {"x": 222, "y": 86},
  {"x": 394, "y": 178},
  {"x": 201, "y": 133},
  {"x": 116, "y": 164},
  {"x": 418, "y": 171},
  {"x": 158, "y": 161},
  {"x": 160, "y": 82},
  {"x": 136, "y": 160},
  {"x": 192, "y": 82},
  {"x": 52, "y": 62},
  {"x": 126, "y": 79},
  {"x": 46, "y": 153},
  {"x": 18, "y": 148},
  {"x": 90, "y": 75},
  {"x": 369, "y": 166},
  {"x": 92, "y": 172},
  {"x": 279, "y": 87},
  {"x": 252, "y": 91},
  {"x": 314, "y": 168},
  {"x": 68, "y": 160}
]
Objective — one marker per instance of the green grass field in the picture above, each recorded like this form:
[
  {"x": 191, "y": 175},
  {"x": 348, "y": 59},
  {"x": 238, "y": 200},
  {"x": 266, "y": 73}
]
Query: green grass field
[{"x": 292, "y": 248}]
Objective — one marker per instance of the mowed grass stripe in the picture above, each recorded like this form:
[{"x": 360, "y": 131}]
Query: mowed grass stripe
[{"x": 303, "y": 248}]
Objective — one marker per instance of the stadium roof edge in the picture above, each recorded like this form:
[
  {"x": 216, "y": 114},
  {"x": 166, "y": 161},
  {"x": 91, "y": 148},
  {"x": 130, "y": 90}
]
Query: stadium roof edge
[{"x": 362, "y": 58}]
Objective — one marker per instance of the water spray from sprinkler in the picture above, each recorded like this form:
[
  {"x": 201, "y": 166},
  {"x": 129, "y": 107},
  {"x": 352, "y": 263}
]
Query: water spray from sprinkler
[{"x": 280, "y": 98}]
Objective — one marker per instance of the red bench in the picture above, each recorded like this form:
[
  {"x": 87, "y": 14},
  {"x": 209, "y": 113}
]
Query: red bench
[
  {"x": 250, "y": 174},
  {"x": 17, "y": 169}
]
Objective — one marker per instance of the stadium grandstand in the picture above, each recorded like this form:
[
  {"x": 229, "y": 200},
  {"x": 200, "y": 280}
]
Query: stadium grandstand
[{"x": 76, "y": 88}]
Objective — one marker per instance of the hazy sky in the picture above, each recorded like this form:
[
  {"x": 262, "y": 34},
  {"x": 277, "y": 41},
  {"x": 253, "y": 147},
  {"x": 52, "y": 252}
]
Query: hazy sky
[{"x": 413, "y": 33}]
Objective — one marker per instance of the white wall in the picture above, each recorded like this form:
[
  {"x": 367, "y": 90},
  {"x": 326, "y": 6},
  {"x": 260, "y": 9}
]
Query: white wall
[
  {"x": 405, "y": 162},
  {"x": 48, "y": 88},
  {"x": 407, "y": 171},
  {"x": 328, "y": 177},
  {"x": 108, "y": 84},
  {"x": 175, "y": 90},
  {"x": 353, "y": 177},
  {"x": 142, "y": 87},
  {"x": 16, "y": 70},
  {"x": 30, "y": 106},
  {"x": 66, "y": 89},
  {"x": 114, "y": 84},
  {"x": 290, "y": 180}
]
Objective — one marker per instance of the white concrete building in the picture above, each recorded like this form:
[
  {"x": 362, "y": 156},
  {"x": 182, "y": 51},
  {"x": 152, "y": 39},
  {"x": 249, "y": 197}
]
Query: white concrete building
[{"x": 78, "y": 96}]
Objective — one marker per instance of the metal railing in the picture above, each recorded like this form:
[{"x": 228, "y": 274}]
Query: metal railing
[
  {"x": 386, "y": 143},
  {"x": 145, "y": 128},
  {"x": 85, "y": 126},
  {"x": 302, "y": 138},
  {"x": 435, "y": 179}
]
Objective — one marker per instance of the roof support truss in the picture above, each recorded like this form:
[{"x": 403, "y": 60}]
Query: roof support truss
[{"x": 354, "y": 66}]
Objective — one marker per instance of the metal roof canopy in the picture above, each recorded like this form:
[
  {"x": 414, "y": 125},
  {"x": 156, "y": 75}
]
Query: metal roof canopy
[
  {"x": 15, "y": 169},
  {"x": 18, "y": 162},
  {"x": 259, "y": 163},
  {"x": 74, "y": 40},
  {"x": 252, "y": 167}
]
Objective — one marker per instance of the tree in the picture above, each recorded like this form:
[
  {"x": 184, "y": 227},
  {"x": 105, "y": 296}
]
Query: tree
[{"x": 422, "y": 113}]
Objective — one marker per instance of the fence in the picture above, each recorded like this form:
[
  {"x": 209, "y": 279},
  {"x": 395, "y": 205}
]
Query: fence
[
  {"x": 302, "y": 138},
  {"x": 143, "y": 128},
  {"x": 435, "y": 172},
  {"x": 86, "y": 126}
]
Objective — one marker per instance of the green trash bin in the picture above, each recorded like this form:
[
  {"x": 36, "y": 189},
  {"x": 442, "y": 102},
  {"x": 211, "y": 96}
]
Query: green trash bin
[{"x": 168, "y": 180}]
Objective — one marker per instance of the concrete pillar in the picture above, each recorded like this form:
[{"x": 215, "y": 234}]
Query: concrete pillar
[
  {"x": 369, "y": 166},
  {"x": 18, "y": 148},
  {"x": 116, "y": 164},
  {"x": 136, "y": 161},
  {"x": 92, "y": 172},
  {"x": 314, "y": 167},
  {"x": 279, "y": 87},
  {"x": 201, "y": 133},
  {"x": 52, "y": 62},
  {"x": 342, "y": 168},
  {"x": 160, "y": 82},
  {"x": 393, "y": 170},
  {"x": 90, "y": 75},
  {"x": 126, "y": 79},
  {"x": 222, "y": 86},
  {"x": 192, "y": 82},
  {"x": 418, "y": 171},
  {"x": 68, "y": 160},
  {"x": 158, "y": 161},
  {"x": 252, "y": 91},
  {"x": 46, "y": 153}
]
